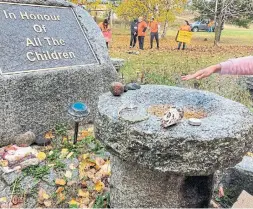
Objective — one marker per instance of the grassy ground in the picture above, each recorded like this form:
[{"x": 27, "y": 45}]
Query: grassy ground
[{"x": 168, "y": 64}]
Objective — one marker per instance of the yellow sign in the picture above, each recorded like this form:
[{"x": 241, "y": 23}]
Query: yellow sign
[{"x": 184, "y": 36}]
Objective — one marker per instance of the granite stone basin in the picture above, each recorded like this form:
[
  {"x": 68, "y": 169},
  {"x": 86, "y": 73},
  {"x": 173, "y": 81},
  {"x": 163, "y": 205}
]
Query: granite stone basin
[
  {"x": 220, "y": 142},
  {"x": 174, "y": 166}
]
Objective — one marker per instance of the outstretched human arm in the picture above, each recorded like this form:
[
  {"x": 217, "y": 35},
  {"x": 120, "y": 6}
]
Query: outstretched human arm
[{"x": 239, "y": 66}]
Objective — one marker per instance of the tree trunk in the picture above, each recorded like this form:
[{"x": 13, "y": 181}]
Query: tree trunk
[
  {"x": 218, "y": 30},
  {"x": 165, "y": 29}
]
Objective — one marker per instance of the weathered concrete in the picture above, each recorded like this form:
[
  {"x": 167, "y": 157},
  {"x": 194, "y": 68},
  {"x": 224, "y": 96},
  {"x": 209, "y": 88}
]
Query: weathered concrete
[
  {"x": 182, "y": 150},
  {"x": 36, "y": 101}
]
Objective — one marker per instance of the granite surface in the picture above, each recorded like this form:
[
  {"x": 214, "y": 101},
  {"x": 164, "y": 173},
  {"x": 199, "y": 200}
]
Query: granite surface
[
  {"x": 47, "y": 37},
  {"x": 220, "y": 142},
  {"x": 36, "y": 101},
  {"x": 133, "y": 186},
  {"x": 239, "y": 178}
]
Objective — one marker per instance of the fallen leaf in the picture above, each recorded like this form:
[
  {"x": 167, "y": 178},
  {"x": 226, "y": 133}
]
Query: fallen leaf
[
  {"x": 41, "y": 156},
  {"x": 60, "y": 189},
  {"x": 60, "y": 182},
  {"x": 69, "y": 155},
  {"x": 84, "y": 200},
  {"x": 99, "y": 161},
  {"x": 70, "y": 183},
  {"x": 3, "y": 199},
  {"x": 81, "y": 193},
  {"x": 47, "y": 203},
  {"x": 64, "y": 153},
  {"x": 85, "y": 156},
  {"x": 99, "y": 186},
  {"x": 61, "y": 197},
  {"x": 42, "y": 196},
  {"x": 64, "y": 139},
  {"x": 49, "y": 135},
  {"x": 4, "y": 163},
  {"x": 91, "y": 204},
  {"x": 250, "y": 154},
  {"x": 68, "y": 174},
  {"x": 85, "y": 133},
  {"x": 91, "y": 129},
  {"x": 73, "y": 203},
  {"x": 72, "y": 166}
]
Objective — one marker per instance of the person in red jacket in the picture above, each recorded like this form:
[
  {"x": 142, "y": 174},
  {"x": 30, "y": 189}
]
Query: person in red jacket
[
  {"x": 154, "y": 26},
  {"x": 142, "y": 27}
]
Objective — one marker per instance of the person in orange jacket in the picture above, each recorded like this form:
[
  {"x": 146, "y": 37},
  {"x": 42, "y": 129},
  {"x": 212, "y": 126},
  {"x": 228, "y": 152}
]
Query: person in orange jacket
[
  {"x": 185, "y": 27},
  {"x": 154, "y": 26},
  {"x": 142, "y": 27},
  {"x": 105, "y": 28}
]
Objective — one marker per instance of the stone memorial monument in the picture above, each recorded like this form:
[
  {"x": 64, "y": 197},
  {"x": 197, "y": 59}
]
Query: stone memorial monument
[
  {"x": 51, "y": 54},
  {"x": 156, "y": 167}
]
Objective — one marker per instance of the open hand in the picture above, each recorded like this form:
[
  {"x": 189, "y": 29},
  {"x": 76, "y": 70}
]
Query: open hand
[{"x": 202, "y": 73}]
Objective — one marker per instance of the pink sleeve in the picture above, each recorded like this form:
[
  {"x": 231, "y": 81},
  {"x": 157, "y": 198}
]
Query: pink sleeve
[{"x": 239, "y": 66}]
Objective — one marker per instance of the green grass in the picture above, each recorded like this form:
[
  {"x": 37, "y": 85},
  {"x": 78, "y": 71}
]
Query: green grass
[{"x": 168, "y": 64}]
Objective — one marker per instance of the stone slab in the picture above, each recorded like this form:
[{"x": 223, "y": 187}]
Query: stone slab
[
  {"x": 239, "y": 178},
  {"x": 47, "y": 37},
  {"x": 245, "y": 200},
  {"x": 36, "y": 101},
  {"x": 220, "y": 142}
]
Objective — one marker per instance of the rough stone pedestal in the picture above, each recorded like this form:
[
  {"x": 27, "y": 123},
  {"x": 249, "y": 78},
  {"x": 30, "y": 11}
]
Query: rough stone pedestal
[{"x": 157, "y": 167}]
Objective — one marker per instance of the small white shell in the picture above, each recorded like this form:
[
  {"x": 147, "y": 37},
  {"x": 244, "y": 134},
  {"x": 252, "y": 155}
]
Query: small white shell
[{"x": 194, "y": 122}]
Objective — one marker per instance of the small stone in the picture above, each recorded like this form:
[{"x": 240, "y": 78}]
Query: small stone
[
  {"x": 125, "y": 88},
  {"x": 194, "y": 122},
  {"x": 133, "y": 86},
  {"x": 117, "y": 88},
  {"x": 25, "y": 140},
  {"x": 42, "y": 141}
]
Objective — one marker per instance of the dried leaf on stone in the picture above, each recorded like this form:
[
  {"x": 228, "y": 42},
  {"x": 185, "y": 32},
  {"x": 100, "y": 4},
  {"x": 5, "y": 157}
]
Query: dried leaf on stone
[
  {"x": 49, "y": 135},
  {"x": 60, "y": 189},
  {"x": 47, "y": 203},
  {"x": 250, "y": 154},
  {"x": 60, "y": 182},
  {"x": 81, "y": 193},
  {"x": 41, "y": 156},
  {"x": 16, "y": 200},
  {"x": 99, "y": 186}
]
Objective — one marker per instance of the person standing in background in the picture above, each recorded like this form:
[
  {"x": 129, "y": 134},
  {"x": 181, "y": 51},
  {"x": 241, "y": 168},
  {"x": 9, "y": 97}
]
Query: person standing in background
[
  {"x": 134, "y": 31},
  {"x": 211, "y": 26},
  {"x": 142, "y": 27},
  {"x": 104, "y": 27},
  {"x": 185, "y": 27},
  {"x": 154, "y": 27}
]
